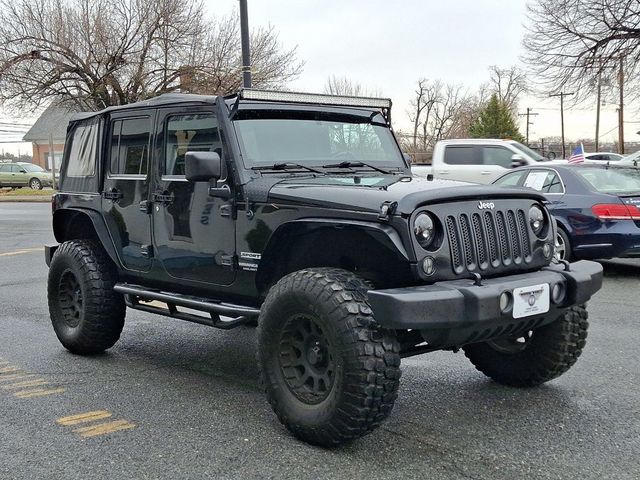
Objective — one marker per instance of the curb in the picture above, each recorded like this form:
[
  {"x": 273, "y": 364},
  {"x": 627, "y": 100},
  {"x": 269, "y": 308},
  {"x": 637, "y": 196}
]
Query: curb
[{"x": 24, "y": 198}]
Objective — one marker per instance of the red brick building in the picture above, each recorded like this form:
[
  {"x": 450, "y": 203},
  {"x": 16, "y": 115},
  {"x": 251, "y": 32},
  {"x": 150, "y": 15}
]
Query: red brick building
[{"x": 53, "y": 121}]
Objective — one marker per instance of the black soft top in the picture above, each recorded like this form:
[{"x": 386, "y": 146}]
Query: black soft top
[{"x": 161, "y": 100}]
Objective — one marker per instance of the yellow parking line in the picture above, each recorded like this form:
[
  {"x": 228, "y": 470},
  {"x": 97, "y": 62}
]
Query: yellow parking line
[
  {"x": 84, "y": 417},
  {"x": 104, "y": 428},
  {"x": 15, "y": 376},
  {"x": 38, "y": 392},
  {"x": 20, "y": 252},
  {"x": 37, "y": 382},
  {"x": 10, "y": 369}
]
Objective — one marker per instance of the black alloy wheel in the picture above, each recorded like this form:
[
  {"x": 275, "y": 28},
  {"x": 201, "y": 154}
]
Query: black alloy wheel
[{"x": 307, "y": 359}]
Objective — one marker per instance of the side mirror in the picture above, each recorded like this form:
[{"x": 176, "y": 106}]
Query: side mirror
[
  {"x": 517, "y": 161},
  {"x": 202, "y": 166},
  {"x": 23, "y": 171},
  {"x": 407, "y": 158}
]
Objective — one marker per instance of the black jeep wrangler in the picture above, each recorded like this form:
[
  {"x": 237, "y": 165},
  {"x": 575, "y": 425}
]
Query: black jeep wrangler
[{"x": 298, "y": 212}]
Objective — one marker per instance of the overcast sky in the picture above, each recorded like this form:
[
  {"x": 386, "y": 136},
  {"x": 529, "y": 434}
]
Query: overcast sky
[{"x": 387, "y": 45}]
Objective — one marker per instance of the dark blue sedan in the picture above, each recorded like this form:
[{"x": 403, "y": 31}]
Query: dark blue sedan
[{"x": 597, "y": 207}]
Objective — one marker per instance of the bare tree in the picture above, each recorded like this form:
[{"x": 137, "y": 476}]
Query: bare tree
[
  {"x": 508, "y": 84},
  {"x": 571, "y": 42},
  {"x": 438, "y": 111},
  {"x": 341, "y": 85},
  {"x": 97, "y": 54},
  {"x": 427, "y": 96}
]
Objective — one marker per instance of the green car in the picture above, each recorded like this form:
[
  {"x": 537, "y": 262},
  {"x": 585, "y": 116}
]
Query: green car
[{"x": 23, "y": 174}]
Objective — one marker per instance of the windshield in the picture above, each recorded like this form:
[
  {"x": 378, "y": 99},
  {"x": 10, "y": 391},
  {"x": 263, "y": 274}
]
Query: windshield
[
  {"x": 316, "y": 142},
  {"x": 526, "y": 150},
  {"x": 32, "y": 168},
  {"x": 632, "y": 157},
  {"x": 618, "y": 181}
]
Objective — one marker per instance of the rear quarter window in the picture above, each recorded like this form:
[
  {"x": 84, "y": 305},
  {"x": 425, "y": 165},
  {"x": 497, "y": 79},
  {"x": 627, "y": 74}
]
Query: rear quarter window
[{"x": 82, "y": 153}]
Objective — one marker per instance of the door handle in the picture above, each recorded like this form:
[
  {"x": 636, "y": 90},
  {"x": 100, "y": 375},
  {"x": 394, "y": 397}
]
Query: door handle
[
  {"x": 444, "y": 172},
  {"x": 165, "y": 197},
  {"x": 145, "y": 206},
  {"x": 112, "y": 194},
  {"x": 485, "y": 173}
]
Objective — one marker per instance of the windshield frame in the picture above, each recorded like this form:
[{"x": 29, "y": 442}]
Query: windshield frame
[{"x": 345, "y": 115}]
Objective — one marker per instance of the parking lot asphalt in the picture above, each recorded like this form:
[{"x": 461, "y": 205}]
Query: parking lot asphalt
[{"x": 177, "y": 400}]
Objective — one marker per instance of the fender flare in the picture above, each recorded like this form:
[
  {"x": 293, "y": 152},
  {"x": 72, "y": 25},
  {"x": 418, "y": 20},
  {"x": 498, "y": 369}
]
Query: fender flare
[
  {"x": 98, "y": 225},
  {"x": 298, "y": 225}
]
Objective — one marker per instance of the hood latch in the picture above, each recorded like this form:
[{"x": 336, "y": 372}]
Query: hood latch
[{"x": 386, "y": 210}]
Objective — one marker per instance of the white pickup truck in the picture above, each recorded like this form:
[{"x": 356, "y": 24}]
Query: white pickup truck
[{"x": 476, "y": 160}]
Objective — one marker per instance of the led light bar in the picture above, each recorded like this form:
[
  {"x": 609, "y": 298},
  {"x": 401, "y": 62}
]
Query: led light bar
[{"x": 319, "y": 98}]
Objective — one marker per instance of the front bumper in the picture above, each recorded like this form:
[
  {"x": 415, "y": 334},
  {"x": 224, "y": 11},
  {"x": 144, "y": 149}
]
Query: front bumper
[{"x": 458, "y": 311}]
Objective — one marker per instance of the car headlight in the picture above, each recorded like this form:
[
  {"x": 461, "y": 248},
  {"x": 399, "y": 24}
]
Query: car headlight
[
  {"x": 536, "y": 219},
  {"x": 424, "y": 229}
]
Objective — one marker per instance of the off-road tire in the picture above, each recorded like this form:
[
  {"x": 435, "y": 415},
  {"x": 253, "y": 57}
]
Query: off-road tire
[
  {"x": 94, "y": 323},
  {"x": 35, "y": 184},
  {"x": 366, "y": 357},
  {"x": 550, "y": 352}
]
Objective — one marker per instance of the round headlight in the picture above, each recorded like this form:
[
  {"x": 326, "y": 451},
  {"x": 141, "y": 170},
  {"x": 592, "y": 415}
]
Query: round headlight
[
  {"x": 536, "y": 219},
  {"x": 424, "y": 229}
]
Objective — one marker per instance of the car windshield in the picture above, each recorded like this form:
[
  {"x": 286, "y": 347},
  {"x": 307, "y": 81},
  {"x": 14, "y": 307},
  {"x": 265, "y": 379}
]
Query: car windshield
[
  {"x": 526, "y": 150},
  {"x": 619, "y": 181},
  {"x": 33, "y": 168},
  {"x": 317, "y": 142},
  {"x": 631, "y": 158}
]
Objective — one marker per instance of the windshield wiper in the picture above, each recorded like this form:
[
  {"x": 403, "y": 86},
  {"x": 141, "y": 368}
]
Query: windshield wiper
[
  {"x": 286, "y": 166},
  {"x": 348, "y": 164}
]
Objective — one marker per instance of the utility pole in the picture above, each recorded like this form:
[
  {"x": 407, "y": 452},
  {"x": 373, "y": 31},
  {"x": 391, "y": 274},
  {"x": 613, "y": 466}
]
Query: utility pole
[
  {"x": 621, "y": 109},
  {"x": 52, "y": 160},
  {"x": 562, "y": 95},
  {"x": 528, "y": 114},
  {"x": 599, "y": 80},
  {"x": 246, "y": 48}
]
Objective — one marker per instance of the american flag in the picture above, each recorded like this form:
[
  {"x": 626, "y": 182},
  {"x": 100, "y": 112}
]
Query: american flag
[{"x": 577, "y": 156}]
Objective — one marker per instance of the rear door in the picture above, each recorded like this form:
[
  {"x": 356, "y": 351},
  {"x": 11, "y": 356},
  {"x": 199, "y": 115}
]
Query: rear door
[
  {"x": 459, "y": 162},
  {"x": 125, "y": 194},
  {"x": 5, "y": 175},
  {"x": 194, "y": 233}
]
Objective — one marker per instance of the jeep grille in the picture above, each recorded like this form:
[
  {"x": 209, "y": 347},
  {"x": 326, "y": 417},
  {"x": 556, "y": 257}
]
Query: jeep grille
[{"x": 489, "y": 239}]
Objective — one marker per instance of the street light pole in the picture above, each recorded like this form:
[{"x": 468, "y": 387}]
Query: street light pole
[
  {"x": 562, "y": 95},
  {"x": 246, "y": 48}
]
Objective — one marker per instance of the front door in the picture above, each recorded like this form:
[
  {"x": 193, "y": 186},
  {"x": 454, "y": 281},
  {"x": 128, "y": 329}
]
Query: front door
[
  {"x": 126, "y": 188},
  {"x": 194, "y": 233}
]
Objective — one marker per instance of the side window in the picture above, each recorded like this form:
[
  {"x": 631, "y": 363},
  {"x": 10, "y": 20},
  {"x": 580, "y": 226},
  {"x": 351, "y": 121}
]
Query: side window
[
  {"x": 497, "y": 156},
  {"x": 511, "y": 179},
  {"x": 130, "y": 146},
  {"x": 5, "y": 168},
  {"x": 460, "y": 155},
  {"x": 189, "y": 133},
  {"x": 81, "y": 161},
  {"x": 545, "y": 181},
  {"x": 15, "y": 169}
]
